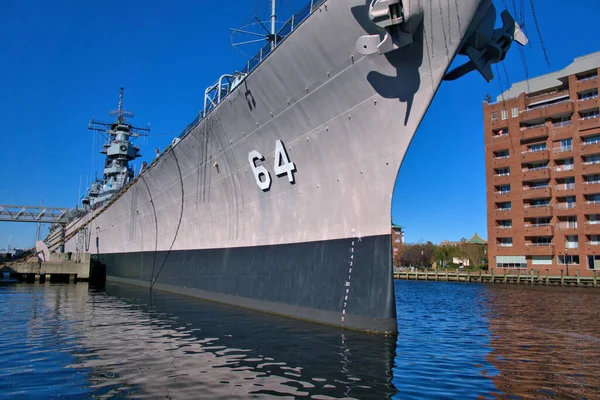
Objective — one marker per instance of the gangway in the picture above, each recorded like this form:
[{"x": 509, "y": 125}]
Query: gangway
[{"x": 37, "y": 214}]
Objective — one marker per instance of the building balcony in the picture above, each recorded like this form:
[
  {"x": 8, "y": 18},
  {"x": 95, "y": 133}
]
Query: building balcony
[
  {"x": 563, "y": 171},
  {"x": 589, "y": 123},
  {"x": 546, "y": 110},
  {"x": 502, "y": 231},
  {"x": 538, "y": 249},
  {"x": 544, "y": 97},
  {"x": 565, "y": 189},
  {"x": 502, "y": 213},
  {"x": 567, "y": 227},
  {"x": 585, "y": 84},
  {"x": 588, "y": 104},
  {"x": 501, "y": 179},
  {"x": 536, "y": 173},
  {"x": 591, "y": 229},
  {"x": 534, "y": 132},
  {"x": 589, "y": 168},
  {"x": 501, "y": 196},
  {"x": 589, "y": 148},
  {"x": 591, "y": 187},
  {"x": 563, "y": 151},
  {"x": 538, "y": 211},
  {"x": 591, "y": 207},
  {"x": 563, "y": 209},
  {"x": 562, "y": 130},
  {"x": 536, "y": 192},
  {"x": 531, "y": 156},
  {"x": 498, "y": 162},
  {"x": 539, "y": 230},
  {"x": 504, "y": 249}
]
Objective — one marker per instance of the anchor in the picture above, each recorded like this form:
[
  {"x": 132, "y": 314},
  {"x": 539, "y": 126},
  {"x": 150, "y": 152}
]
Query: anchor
[{"x": 486, "y": 46}]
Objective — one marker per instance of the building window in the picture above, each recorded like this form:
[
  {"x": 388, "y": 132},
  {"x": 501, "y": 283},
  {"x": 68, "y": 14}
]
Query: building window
[
  {"x": 541, "y": 260},
  {"x": 494, "y": 116},
  {"x": 515, "y": 112},
  {"x": 540, "y": 203},
  {"x": 501, "y": 153},
  {"x": 541, "y": 221},
  {"x": 589, "y": 114},
  {"x": 590, "y": 179},
  {"x": 505, "y": 242},
  {"x": 503, "y": 189},
  {"x": 541, "y": 241},
  {"x": 571, "y": 241},
  {"x": 595, "y": 159},
  {"x": 594, "y": 262},
  {"x": 505, "y": 223},
  {"x": 537, "y": 147},
  {"x": 504, "y": 206},
  {"x": 504, "y": 115},
  {"x": 585, "y": 76},
  {"x": 572, "y": 259},
  {"x": 593, "y": 219},
  {"x": 397, "y": 240},
  {"x": 593, "y": 199},
  {"x": 511, "y": 262},
  {"x": 503, "y": 171},
  {"x": 588, "y": 95},
  {"x": 594, "y": 239},
  {"x": 539, "y": 184},
  {"x": 591, "y": 139}
]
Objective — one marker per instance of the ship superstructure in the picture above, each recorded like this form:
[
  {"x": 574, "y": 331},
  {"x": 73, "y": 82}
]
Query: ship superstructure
[
  {"x": 278, "y": 195},
  {"x": 119, "y": 150}
]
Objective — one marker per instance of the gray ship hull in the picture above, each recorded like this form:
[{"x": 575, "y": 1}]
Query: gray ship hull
[{"x": 317, "y": 248}]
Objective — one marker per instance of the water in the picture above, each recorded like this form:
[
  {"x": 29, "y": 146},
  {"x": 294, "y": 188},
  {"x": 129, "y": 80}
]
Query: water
[{"x": 455, "y": 341}]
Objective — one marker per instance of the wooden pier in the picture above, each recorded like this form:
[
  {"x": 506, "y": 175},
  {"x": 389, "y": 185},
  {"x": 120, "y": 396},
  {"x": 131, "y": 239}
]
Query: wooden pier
[{"x": 502, "y": 277}]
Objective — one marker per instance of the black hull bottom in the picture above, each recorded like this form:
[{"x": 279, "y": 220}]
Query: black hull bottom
[{"x": 346, "y": 282}]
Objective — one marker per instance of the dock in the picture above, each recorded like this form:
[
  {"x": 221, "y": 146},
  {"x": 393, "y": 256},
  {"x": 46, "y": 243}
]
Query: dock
[
  {"x": 60, "y": 267},
  {"x": 502, "y": 277}
]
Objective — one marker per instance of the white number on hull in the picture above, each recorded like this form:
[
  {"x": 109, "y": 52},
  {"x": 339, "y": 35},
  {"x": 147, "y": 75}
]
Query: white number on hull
[
  {"x": 281, "y": 157},
  {"x": 259, "y": 170},
  {"x": 282, "y": 166}
]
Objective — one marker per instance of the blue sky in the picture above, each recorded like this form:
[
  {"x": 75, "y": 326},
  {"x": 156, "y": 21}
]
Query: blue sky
[{"x": 63, "y": 62}]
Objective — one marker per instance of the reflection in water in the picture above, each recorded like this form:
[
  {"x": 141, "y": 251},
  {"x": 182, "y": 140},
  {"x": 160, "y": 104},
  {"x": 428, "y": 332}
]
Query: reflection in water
[
  {"x": 125, "y": 341},
  {"x": 546, "y": 341},
  {"x": 464, "y": 341}
]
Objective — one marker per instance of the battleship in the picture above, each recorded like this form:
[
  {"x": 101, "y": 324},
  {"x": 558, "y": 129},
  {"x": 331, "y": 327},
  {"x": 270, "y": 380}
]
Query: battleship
[{"x": 277, "y": 197}]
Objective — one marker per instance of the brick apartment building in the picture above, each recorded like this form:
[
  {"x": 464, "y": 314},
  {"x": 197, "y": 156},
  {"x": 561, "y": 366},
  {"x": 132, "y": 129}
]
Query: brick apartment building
[
  {"x": 397, "y": 240},
  {"x": 542, "y": 158}
]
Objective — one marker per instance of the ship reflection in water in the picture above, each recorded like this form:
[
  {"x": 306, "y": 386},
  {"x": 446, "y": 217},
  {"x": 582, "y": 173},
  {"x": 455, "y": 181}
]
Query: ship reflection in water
[
  {"x": 133, "y": 343},
  {"x": 455, "y": 341}
]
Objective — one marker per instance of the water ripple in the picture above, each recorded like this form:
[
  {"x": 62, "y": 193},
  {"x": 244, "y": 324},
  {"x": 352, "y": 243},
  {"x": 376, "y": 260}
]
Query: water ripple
[{"x": 455, "y": 341}]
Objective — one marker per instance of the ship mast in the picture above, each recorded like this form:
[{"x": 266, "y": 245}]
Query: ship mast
[{"x": 273, "y": 24}]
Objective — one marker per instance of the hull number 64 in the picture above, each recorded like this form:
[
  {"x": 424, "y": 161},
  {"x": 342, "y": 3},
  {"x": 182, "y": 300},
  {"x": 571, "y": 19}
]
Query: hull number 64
[{"x": 282, "y": 166}]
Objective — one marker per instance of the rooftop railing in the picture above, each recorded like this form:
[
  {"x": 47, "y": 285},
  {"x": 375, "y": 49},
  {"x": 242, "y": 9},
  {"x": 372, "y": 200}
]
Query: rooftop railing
[
  {"x": 589, "y": 78},
  {"x": 548, "y": 105}
]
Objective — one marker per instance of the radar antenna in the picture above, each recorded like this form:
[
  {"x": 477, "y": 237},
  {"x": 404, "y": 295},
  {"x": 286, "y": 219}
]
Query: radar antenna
[
  {"x": 254, "y": 37},
  {"x": 122, "y": 116},
  {"x": 120, "y": 113}
]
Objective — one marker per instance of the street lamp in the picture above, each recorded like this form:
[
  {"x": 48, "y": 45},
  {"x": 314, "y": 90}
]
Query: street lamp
[{"x": 567, "y": 259}]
